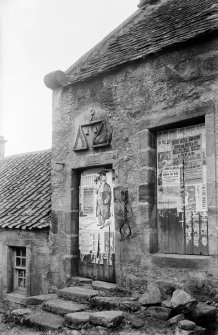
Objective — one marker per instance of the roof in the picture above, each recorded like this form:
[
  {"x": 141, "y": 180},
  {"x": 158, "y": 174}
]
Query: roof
[
  {"x": 25, "y": 190},
  {"x": 147, "y": 31}
]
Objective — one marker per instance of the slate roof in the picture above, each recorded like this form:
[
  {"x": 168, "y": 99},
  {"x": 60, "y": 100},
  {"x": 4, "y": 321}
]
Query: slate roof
[
  {"x": 146, "y": 32},
  {"x": 25, "y": 190}
]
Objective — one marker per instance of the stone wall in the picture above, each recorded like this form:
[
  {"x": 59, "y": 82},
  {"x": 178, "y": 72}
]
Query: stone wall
[
  {"x": 38, "y": 260},
  {"x": 177, "y": 86}
]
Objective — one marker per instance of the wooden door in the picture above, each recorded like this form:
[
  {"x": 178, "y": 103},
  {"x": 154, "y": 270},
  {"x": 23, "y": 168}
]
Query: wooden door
[
  {"x": 96, "y": 225},
  {"x": 182, "y": 190}
]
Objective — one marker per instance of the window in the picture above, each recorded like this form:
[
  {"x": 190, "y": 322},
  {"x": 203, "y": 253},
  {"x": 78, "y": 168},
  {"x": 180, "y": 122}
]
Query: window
[
  {"x": 20, "y": 269},
  {"x": 182, "y": 190}
]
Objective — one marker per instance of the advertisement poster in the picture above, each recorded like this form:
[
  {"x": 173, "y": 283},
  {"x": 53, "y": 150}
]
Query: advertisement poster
[
  {"x": 96, "y": 220},
  {"x": 182, "y": 184}
]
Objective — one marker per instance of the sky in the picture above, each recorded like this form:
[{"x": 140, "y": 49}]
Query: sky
[{"x": 37, "y": 37}]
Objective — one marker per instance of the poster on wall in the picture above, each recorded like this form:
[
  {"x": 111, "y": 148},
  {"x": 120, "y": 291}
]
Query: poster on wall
[
  {"x": 182, "y": 187},
  {"x": 96, "y": 220}
]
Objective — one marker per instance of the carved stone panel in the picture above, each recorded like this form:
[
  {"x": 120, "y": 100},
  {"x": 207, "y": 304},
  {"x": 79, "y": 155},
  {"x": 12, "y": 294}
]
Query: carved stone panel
[{"x": 94, "y": 134}]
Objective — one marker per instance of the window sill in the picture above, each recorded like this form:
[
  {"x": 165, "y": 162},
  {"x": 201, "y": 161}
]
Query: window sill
[
  {"x": 192, "y": 262},
  {"x": 16, "y": 297}
]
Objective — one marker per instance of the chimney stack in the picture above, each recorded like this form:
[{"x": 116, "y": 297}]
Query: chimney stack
[{"x": 2, "y": 146}]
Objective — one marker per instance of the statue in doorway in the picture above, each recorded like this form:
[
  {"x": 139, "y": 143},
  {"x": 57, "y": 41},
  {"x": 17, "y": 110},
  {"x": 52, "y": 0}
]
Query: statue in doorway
[{"x": 103, "y": 191}]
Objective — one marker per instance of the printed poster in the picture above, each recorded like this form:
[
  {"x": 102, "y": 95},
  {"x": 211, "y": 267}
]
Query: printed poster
[
  {"x": 182, "y": 180},
  {"x": 96, "y": 221}
]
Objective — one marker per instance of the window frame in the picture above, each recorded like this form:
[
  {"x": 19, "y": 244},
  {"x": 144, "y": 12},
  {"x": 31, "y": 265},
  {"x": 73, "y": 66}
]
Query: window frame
[{"x": 11, "y": 246}]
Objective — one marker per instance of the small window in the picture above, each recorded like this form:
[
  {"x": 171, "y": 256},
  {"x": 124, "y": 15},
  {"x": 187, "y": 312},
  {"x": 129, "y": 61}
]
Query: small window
[{"x": 20, "y": 269}]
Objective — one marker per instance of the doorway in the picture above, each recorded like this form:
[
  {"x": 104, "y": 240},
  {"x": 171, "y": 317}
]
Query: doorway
[{"x": 96, "y": 225}]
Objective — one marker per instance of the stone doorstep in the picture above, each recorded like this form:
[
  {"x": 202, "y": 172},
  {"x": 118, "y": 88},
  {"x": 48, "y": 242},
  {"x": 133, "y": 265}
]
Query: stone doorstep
[
  {"x": 80, "y": 281},
  {"x": 77, "y": 293},
  {"x": 123, "y": 303},
  {"x": 62, "y": 307},
  {"x": 104, "y": 286},
  {"x": 106, "y": 318},
  {"x": 44, "y": 321},
  {"x": 39, "y": 299},
  {"x": 76, "y": 320}
]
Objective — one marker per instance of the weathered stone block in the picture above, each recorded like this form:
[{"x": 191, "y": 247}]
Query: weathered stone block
[
  {"x": 166, "y": 303},
  {"x": 39, "y": 299},
  {"x": 196, "y": 331},
  {"x": 104, "y": 286},
  {"x": 147, "y": 158},
  {"x": 107, "y": 318},
  {"x": 147, "y": 193},
  {"x": 182, "y": 301},
  {"x": 80, "y": 294},
  {"x": 76, "y": 320},
  {"x": 62, "y": 307},
  {"x": 174, "y": 321},
  {"x": 44, "y": 320},
  {"x": 186, "y": 324},
  {"x": 152, "y": 296}
]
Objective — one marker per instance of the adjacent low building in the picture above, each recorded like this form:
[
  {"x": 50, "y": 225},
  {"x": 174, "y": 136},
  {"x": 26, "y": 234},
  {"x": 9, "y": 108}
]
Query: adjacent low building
[{"x": 25, "y": 209}]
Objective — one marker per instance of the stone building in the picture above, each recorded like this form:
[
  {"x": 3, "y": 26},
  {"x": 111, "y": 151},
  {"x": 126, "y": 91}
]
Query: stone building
[
  {"x": 25, "y": 208},
  {"x": 134, "y": 153}
]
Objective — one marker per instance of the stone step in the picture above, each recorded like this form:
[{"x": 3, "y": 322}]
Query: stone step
[
  {"x": 44, "y": 321},
  {"x": 77, "y": 293},
  {"x": 104, "y": 286},
  {"x": 76, "y": 320},
  {"x": 62, "y": 307},
  {"x": 124, "y": 303},
  {"x": 80, "y": 281},
  {"x": 107, "y": 318},
  {"x": 39, "y": 299}
]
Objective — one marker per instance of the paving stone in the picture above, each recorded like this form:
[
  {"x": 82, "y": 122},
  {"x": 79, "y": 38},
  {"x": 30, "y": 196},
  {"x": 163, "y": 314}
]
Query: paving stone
[
  {"x": 60, "y": 306},
  {"x": 44, "y": 321},
  {"x": 182, "y": 301},
  {"x": 76, "y": 320},
  {"x": 21, "y": 312},
  {"x": 77, "y": 293},
  {"x": 104, "y": 286},
  {"x": 196, "y": 331},
  {"x": 107, "y": 318},
  {"x": 174, "y": 321},
  {"x": 159, "y": 312},
  {"x": 152, "y": 296},
  {"x": 186, "y": 324},
  {"x": 39, "y": 299}
]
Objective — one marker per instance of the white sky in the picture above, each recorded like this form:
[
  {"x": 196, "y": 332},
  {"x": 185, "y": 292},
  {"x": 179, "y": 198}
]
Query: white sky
[{"x": 37, "y": 37}]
